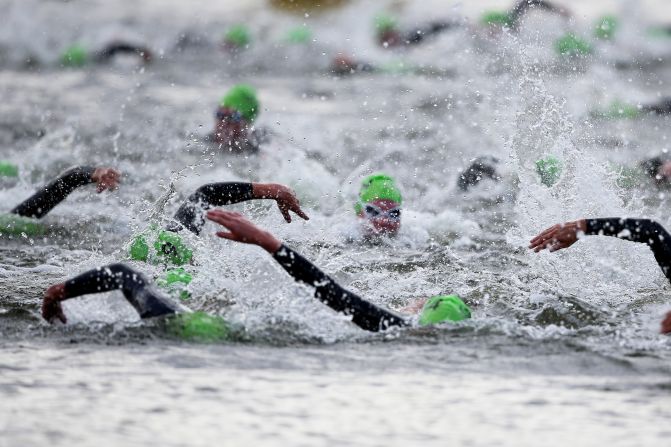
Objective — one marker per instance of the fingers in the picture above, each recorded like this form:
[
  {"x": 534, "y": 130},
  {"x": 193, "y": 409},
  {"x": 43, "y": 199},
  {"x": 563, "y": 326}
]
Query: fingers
[
  {"x": 226, "y": 235},
  {"x": 666, "y": 324},
  {"x": 285, "y": 212},
  {"x": 297, "y": 209}
]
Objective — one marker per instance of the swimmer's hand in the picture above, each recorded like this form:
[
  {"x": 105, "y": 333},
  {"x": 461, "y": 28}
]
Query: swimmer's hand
[
  {"x": 666, "y": 324},
  {"x": 51, "y": 304},
  {"x": 106, "y": 178},
  {"x": 286, "y": 199},
  {"x": 242, "y": 230},
  {"x": 558, "y": 236}
]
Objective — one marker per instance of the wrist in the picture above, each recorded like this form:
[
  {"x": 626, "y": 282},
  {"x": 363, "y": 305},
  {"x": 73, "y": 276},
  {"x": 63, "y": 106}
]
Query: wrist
[
  {"x": 263, "y": 191},
  {"x": 581, "y": 225},
  {"x": 269, "y": 243}
]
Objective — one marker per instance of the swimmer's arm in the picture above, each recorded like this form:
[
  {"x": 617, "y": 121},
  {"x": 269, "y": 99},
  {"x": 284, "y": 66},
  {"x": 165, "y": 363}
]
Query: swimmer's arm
[
  {"x": 645, "y": 231},
  {"x": 122, "y": 47},
  {"x": 220, "y": 194},
  {"x": 44, "y": 200},
  {"x": 364, "y": 314},
  {"x": 134, "y": 285}
]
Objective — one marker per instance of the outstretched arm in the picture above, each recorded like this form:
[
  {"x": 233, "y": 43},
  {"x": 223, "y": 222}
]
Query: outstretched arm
[
  {"x": 118, "y": 47},
  {"x": 134, "y": 285},
  {"x": 637, "y": 230},
  {"x": 190, "y": 214},
  {"x": 44, "y": 200},
  {"x": 524, "y": 6},
  {"x": 364, "y": 314}
]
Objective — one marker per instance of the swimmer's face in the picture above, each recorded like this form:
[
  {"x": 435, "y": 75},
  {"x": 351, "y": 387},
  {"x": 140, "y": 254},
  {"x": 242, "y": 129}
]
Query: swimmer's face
[
  {"x": 381, "y": 217},
  {"x": 664, "y": 172},
  {"x": 389, "y": 38},
  {"x": 230, "y": 126}
]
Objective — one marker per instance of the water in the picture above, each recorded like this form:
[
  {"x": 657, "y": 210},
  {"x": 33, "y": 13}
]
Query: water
[{"x": 562, "y": 347}]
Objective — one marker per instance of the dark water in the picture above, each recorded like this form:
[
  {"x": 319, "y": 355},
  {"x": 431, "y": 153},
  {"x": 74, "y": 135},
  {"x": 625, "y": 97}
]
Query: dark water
[{"x": 562, "y": 347}]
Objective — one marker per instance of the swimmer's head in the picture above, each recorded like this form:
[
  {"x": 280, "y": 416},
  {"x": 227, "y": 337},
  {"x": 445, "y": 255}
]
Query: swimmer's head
[
  {"x": 74, "y": 56},
  {"x": 386, "y": 31},
  {"x": 169, "y": 248},
  {"x": 572, "y": 45},
  {"x": 379, "y": 205},
  {"x": 8, "y": 169},
  {"x": 441, "y": 308},
  {"x": 605, "y": 27},
  {"x": 236, "y": 112},
  {"x": 549, "y": 170},
  {"x": 658, "y": 169},
  {"x": 237, "y": 37},
  {"x": 298, "y": 35},
  {"x": 496, "y": 19},
  {"x": 198, "y": 327}
]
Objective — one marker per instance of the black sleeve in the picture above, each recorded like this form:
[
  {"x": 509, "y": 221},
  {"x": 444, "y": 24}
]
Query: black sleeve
[
  {"x": 120, "y": 48},
  {"x": 136, "y": 289},
  {"x": 190, "y": 214},
  {"x": 477, "y": 171},
  {"x": 637, "y": 230},
  {"x": 366, "y": 315},
  {"x": 661, "y": 108},
  {"x": 44, "y": 200},
  {"x": 524, "y": 6},
  {"x": 418, "y": 35}
]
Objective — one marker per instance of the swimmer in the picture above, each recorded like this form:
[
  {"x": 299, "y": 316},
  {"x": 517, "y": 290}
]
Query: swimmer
[
  {"x": 78, "y": 56},
  {"x": 379, "y": 206},
  {"x": 236, "y": 39},
  {"x": 389, "y": 35},
  {"x": 21, "y": 220},
  {"x": 150, "y": 303},
  {"x": 480, "y": 168},
  {"x": 513, "y": 18},
  {"x": 235, "y": 116},
  {"x": 646, "y": 231},
  {"x": 166, "y": 246}
]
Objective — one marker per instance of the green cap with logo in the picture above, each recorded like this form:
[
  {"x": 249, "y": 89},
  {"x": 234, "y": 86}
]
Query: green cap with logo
[
  {"x": 8, "y": 169},
  {"x": 12, "y": 224},
  {"x": 199, "y": 327},
  {"x": 74, "y": 56},
  {"x": 175, "y": 282},
  {"x": 440, "y": 308},
  {"x": 242, "y": 97},
  {"x": 238, "y": 35},
  {"x": 168, "y": 248},
  {"x": 572, "y": 45},
  {"x": 378, "y": 186},
  {"x": 500, "y": 18},
  {"x": 549, "y": 170}
]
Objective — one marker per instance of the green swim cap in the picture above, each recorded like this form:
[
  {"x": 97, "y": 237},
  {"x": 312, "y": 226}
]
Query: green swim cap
[
  {"x": 8, "y": 170},
  {"x": 74, "y": 56},
  {"x": 238, "y": 35},
  {"x": 299, "y": 34},
  {"x": 549, "y": 169},
  {"x": 378, "y": 186},
  {"x": 175, "y": 282},
  {"x": 168, "y": 246},
  {"x": 572, "y": 45},
  {"x": 605, "y": 27},
  {"x": 242, "y": 98},
  {"x": 619, "y": 109},
  {"x": 199, "y": 326},
  {"x": 496, "y": 18},
  {"x": 385, "y": 23},
  {"x": 444, "y": 308},
  {"x": 19, "y": 225}
]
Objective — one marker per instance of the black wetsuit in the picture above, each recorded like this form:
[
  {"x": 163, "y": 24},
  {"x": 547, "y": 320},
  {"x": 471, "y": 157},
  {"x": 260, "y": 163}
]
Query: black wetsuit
[
  {"x": 115, "y": 48},
  {"x": 364, "y": 314},
  {"x": 418, "y": 35},
  {"x": 150, "y": 303},
  {"x": 637, "y": 230},
  {"x": 44, "y": 200},
  {"x": 147, "y": 301},
  {"x": 190, "y": 214},
  {"x": 663, "y": 107},
  {"x": 480, "y": 168}
]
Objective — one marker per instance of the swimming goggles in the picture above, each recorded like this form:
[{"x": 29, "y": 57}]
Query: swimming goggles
[
  {"x": 229, "y": 115},
  {"x": 373, "y": 211}
]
